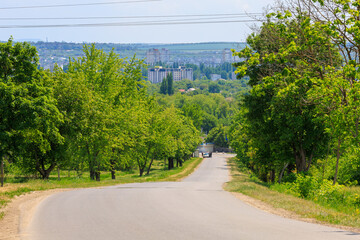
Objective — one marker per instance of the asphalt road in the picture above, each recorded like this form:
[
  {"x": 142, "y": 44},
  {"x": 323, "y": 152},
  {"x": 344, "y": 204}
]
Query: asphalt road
[{"x": 194, "y": 209}]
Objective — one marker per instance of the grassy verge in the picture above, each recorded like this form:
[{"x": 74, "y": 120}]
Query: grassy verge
[
  {"x": 243, "y": 182},
  {"x": 19, "y": 186}
]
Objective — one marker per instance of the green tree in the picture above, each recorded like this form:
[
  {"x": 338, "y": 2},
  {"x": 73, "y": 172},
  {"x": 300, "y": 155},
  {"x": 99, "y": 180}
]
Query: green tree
[
  {"x": 336, "y": 93},
  {"x": 29, "y": 118},
  {"x": 282, "y": 60},
  {"x": 214, "y": 88},
  {"x": 194, "y": 112},
  {"x": 170, "y": 84},
  {"x": 218, "y": 136},
  {"x": 164, "y": 86},
  {"x": 112, "y": 84}
]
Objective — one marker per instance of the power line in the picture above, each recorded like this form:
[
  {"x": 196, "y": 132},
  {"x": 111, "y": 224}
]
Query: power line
[
  {"x": 78, "y": 4},
  {"x": 134, "y": 17},
  {"x": 121, "y": 24}
]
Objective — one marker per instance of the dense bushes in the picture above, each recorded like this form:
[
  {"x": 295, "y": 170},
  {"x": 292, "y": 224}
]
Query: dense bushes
[{"x": 321, "y": 191}]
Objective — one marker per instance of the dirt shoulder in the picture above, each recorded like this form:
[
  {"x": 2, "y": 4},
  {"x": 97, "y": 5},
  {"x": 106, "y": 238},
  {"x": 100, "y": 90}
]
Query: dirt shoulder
[{"x": 19, "y": 212}]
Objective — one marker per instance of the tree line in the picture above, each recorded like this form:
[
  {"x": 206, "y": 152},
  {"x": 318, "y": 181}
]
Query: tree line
[
  {"x": 96, "y": 116},
  {"x": 302, "y": 114}
]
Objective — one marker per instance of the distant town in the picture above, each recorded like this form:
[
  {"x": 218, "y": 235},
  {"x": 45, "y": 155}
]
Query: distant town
[{"x": 182, "y": 60}]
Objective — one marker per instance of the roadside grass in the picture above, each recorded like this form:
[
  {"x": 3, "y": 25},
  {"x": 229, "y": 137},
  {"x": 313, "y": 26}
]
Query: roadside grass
[
  {"x": 15, "y": 186},
  {"x": 244, "y": 182}
]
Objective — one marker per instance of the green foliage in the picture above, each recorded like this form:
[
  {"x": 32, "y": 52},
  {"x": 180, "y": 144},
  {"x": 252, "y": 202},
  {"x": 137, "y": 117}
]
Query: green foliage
[
  {"x": 164, "y": 86},
  {"x": 214, "y": 88},
  {"x": 170, "y": 84},
  {"x": 305, "y": 186},
  {"x": 167, "y": 85},
  {"x": 291, "y": 62},
  {"x": 218, "y": 136},
  {"x": 29, "y": 118},
  {"x": 95, "y": 116}
]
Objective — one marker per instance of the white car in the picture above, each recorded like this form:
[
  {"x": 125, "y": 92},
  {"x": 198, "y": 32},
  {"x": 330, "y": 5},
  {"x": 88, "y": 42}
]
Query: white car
[{"x": 206, "y": 155}]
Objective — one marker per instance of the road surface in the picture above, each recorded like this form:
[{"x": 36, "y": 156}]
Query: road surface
[{"x": 196, "y": 208}]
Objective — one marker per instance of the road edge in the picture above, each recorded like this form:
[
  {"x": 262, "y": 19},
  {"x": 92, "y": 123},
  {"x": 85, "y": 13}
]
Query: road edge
[{"x": 256, "y": 203}]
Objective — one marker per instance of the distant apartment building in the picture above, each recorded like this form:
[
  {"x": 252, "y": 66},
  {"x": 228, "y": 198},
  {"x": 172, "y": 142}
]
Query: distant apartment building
[
  {"x": 233, "y": 76},
  {"x": 227, "y": 56},
  {"x": 154, "y": 56},
  {"x": 215, "y": 77},
  {"x": 156, "y": 75}
]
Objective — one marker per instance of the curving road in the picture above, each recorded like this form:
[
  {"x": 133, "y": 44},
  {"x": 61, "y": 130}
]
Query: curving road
[{"x": 194, "y": 209}]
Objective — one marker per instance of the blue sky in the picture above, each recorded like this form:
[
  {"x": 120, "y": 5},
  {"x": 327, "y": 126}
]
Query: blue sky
[{"x": 128, "y": 34}]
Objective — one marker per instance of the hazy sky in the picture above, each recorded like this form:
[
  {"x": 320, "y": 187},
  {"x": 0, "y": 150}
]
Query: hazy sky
[{"x": 128, "y": 34}]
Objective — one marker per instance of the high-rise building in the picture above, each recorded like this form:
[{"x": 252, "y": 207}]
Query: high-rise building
[
  {"x": 227, "y": 56},
  {"x": 156, "y": 75},
  {"x": 154, "y": 56}
]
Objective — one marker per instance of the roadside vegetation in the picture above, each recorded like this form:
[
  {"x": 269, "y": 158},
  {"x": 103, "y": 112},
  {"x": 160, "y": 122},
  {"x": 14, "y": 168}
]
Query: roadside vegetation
[
  {"x": 210, "y": 111},
  {"x": 17, "y": 186},
  {"x": 95, "y": 117},
  {"x": 297, "y": 132},
  {"x": 340, "y": 207}
]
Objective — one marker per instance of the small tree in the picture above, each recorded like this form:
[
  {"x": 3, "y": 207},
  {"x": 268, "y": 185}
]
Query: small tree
[
  {"x": 170, "y": 84},
  {"x": 164, "y": 87}
]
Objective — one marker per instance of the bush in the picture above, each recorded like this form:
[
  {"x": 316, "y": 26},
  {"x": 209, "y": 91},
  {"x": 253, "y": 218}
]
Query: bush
[
  {"x": 328, "y": 192},
  {"x": 304, "y": 186}
]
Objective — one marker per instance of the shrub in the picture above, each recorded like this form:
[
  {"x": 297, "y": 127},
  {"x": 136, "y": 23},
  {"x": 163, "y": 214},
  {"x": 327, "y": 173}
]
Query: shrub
[
  {"x": 328, "y": 192},
  {"x": 304, "y": 186}
]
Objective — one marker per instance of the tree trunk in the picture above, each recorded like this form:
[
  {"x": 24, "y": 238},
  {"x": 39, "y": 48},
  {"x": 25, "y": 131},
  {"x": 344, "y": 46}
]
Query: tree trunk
[
  {"x": 272, "y": 176},
  {"x": 113, "y": 177},
  {"x": 91, "y": 163},
  {"x": 282, "y": 172},
  {"x": 112, "y": 163},
  {"x": 58, "y": 172},
  {"x": 45, "y": 173},
  {"x": 148, "y": 170},
  {"x": 97, "y": 173},
  {"x": 97, "y": 176},
  {"x": 2, "y": 171},
  {"x": 92, "y": 174},
  {"x": 325, "y": 163},
  {"x": 337, "y": 160},
  {"x": 300, "y": 159},
  {"x": 141, "y": 171},
  {"x": 170, "y": 163}
]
